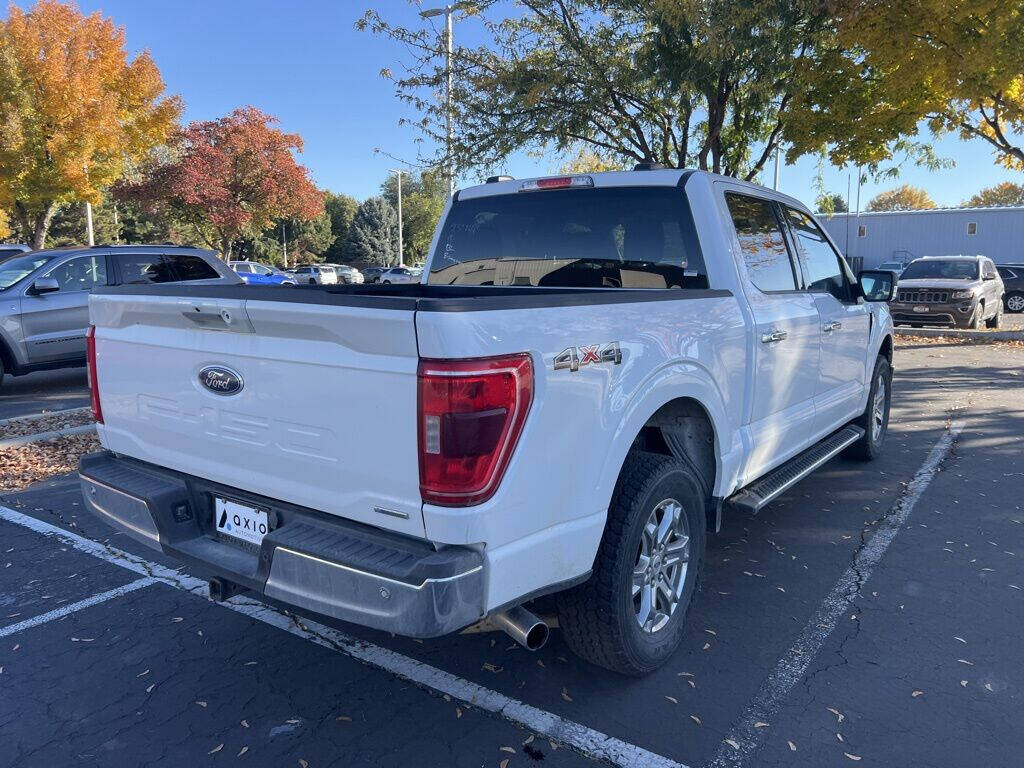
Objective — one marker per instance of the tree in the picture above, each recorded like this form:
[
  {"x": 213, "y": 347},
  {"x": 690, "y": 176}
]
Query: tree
[
  {"x": 75, "y": 111},
  {"x": 230, "y": 177},
  {"x": 831, "y": 202},
  {"x": 1006, "y": 193},
  {"x": 902, "y": 198},
  {"x": 423, "y": 199},
  {"x": 342, "y": 209},
  {"x": 703, "y": 83},
  {"x": 373, "y": 236},
  {"x": 958, "y": 65}
]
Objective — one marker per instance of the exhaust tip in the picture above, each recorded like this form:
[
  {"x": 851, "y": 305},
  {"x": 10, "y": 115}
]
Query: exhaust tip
[
  {"x": 523, "y": 627},
  {"x": 536, "y": 637}
]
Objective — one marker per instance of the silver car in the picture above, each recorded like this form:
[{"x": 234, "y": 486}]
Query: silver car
[
  {"x": 44, "y": 295},
  {"x": 315, "y": 274}
]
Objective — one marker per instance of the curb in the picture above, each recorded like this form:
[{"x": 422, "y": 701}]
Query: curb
[
  {"x": 40, "y": 436},
  {"x": 954, "y": 333},
  {"x": 30, "y": 416}
]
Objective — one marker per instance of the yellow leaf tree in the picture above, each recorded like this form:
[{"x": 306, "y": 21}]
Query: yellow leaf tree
[
  {"x": 903, "y": 198},
  {"x": 75, "y": 112},
  {"x": 1005, "y": 193}
]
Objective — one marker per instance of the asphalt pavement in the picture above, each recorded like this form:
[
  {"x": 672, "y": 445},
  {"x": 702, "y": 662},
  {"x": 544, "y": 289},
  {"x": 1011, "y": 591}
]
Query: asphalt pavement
[
  {"x": 43, "y": 391},
  {"x": 870, "y": 616}
]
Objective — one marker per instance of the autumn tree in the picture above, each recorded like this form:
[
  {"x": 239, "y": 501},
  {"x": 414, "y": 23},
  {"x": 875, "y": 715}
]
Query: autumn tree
[
  {"x": 373, "y": 235},
  {"x": 229, "y": 177},
  {"x": 831, "y": 203},
  {"x": 1006, "y": 193},
  {"x": 902, "y": 198},
  {"x": 75, "y": 111}
]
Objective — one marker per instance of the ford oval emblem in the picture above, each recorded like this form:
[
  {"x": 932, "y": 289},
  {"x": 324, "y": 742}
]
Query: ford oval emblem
[{"x": 221, "y": 380}]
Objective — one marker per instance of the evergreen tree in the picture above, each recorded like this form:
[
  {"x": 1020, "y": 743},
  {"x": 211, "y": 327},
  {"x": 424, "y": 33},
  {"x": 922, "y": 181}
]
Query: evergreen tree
[{"x": 373, "y": 235}]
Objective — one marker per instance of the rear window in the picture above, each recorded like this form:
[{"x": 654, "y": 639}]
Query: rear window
[
  {"x": 163, "y": 268},
  {"x": 620, "y": 237}
]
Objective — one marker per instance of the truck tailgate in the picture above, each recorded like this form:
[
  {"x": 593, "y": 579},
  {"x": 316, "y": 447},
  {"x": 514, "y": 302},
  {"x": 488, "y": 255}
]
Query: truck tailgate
[{"x": 325, "y": 417}]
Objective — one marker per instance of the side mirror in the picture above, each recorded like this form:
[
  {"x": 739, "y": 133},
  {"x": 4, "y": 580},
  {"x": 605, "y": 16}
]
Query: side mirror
[
  {"x": 988, "y": 277},
  {"x": 877, "y": 285},
  {"x": 44, "y": 285}
]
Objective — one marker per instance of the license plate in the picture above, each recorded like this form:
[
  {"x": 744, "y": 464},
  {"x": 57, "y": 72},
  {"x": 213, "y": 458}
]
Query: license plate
[
  {"x": 920, "y": 308},
  {"x": 240, "y": 521}
]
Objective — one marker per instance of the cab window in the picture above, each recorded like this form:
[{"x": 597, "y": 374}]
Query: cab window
[
  {"x": 761, "y": 243},
  {"x": 822, "y": 268}
]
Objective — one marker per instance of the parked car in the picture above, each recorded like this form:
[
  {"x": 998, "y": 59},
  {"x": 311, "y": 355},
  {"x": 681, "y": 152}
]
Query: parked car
[
  {"x": 372, "y": 274},
  {"x": 13, "y": 249},
  {"x": 347, "y": 274},
  {"x": 315, "y": 274},
  {"x": 893, "y": 266},
  {"x": 399, "y": 275},
  {"x": 44, "y": 295},
  {"x": 254, "y": 273},
  {"x": 1012, "y": 276},
  {"x": 957, "y": 291},
  {"x": 597, "y": 384}
]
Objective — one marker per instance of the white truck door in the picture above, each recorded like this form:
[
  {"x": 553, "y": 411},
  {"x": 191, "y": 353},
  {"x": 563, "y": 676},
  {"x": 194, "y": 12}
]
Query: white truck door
[
  {"x": 786, "y": 336},
  {"x": 844, "y": 325}
]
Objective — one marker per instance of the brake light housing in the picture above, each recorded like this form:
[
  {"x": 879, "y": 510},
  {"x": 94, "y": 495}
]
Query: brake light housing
[
  {"x": 471, "y": 414},
  {"x": 94, "y": 387}
]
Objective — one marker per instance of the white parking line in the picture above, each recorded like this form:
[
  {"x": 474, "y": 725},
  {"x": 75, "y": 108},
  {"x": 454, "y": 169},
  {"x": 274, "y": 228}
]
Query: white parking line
[
  {"x": 67, "y": 610},
  {"x": 586, "y": 740},
  {"x": 745, "y": 736}
]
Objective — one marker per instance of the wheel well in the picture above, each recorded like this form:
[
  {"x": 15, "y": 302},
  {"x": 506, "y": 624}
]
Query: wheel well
[
  {"x": 886, "y": 349},
  {"x": 6, "y": 357},
  {"x": 683, "y": 429}
]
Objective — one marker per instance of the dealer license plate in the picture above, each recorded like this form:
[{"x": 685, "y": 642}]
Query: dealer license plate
[
  {"x": 240, "y": 521},
  {"x": 920, "y": 308}
]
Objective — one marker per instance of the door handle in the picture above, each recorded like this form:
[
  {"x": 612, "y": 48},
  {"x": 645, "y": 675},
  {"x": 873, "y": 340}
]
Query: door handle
[
  {"x": 774, "y": 336},
  {"x": 835, "y": 325}
]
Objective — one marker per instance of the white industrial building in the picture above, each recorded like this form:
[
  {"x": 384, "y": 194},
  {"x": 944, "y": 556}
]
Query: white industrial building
[{"x": 868, "y": 239}]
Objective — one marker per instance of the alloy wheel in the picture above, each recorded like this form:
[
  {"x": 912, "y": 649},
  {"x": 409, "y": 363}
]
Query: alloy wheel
[{"x": 662, "y": 561}]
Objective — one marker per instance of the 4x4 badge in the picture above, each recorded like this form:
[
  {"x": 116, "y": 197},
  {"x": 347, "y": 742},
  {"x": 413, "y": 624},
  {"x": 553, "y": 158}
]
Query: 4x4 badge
[{"x": 574, "y": 358}]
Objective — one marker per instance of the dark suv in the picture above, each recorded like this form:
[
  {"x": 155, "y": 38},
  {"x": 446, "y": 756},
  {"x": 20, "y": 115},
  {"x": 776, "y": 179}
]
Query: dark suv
[
  {"x": 44, "y": 295},
  {"x": 958, "y": 291},
  {"x": 1013, "y": 286}
]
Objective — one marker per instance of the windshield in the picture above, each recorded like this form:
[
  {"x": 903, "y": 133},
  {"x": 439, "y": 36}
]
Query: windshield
[
  {"x": 941, "y": 270},
  {"x": 13, "y": 270},
  {"x": 891, "y": 266},
  {"x": 611, "y": 237}
]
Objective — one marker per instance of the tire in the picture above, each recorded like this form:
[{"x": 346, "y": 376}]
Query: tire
[
  {"x": 1, "y": 371},
  {"x": 1014, "y": 302},
  {"x": 996, "y": 321},
  {"x": 978, "y": 321},
  {"x": 387, "y": 282},
  {"x": 312, "y": 281},
  {"x": 874, "y": 424},
  {"x": 600, "y": 619}
]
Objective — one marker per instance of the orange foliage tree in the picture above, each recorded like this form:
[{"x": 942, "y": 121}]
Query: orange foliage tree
[
  {"x": 75, "y": 112},
  {"x": 230, "y": 177}
]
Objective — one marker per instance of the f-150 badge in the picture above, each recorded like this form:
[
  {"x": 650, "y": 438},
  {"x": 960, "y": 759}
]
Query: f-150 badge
[{"x": 575, "y": 358}]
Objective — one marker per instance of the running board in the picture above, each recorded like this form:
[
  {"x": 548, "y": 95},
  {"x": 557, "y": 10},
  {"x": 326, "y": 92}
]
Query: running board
[{"x": 764, "y": 489}]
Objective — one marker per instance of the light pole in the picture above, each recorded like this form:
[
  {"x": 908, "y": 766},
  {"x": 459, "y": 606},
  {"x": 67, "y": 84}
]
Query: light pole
[
  {"x": 401, "y": 250},
  {"x": 88, "y": 225},
  {"x": 448, "y": 10},
  {"x": 777, "y": 153}
]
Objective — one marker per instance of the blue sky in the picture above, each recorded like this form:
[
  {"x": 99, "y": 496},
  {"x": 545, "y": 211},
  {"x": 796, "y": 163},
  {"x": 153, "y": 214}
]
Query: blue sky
[{"x": 305, "y": 63}]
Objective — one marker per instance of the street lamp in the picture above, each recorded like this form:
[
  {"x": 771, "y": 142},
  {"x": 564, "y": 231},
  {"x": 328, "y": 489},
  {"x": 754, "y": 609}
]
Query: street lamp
[
  {"x": 398, "y": 174},
  {"x": 447, "y": 11}
]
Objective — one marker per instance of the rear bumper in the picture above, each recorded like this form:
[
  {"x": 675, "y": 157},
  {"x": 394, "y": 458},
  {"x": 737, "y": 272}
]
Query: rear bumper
[{"x": 309, "y": 560}]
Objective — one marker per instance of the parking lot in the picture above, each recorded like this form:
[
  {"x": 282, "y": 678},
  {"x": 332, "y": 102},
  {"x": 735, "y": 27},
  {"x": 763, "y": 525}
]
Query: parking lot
[{"x": 869, "y": 616}]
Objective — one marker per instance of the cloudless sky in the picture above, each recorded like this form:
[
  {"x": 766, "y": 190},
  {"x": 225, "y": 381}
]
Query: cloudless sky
[{"x": 304, "y": 62}]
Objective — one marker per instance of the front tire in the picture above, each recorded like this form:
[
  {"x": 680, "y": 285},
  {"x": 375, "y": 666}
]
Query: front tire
[
  {"x": 875, "y": 419},
  {"x": 978, "y": 321},
  {"x": 629, "y": 616}
]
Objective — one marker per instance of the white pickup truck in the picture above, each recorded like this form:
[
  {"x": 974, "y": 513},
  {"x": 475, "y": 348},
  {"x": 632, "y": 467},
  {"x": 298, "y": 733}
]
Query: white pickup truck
[{"x": 592, "y": 371}]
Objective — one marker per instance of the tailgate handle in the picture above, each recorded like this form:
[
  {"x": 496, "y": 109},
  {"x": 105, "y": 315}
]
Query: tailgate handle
[{"x": 216, "y": 318}]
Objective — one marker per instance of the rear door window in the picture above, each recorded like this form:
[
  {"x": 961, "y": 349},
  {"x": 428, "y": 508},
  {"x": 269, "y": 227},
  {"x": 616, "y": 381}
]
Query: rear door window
[
  {"x": 762, "y": 243},
  {"x": 163, "y": 268},
  {"x": 610, "y": 237},
  {"x": 821, "y": 264},
  {"x": 188, "y": 266}
]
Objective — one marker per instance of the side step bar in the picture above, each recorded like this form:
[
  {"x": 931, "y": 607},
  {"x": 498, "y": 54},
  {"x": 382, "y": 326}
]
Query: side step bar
[{"x": 764, "y": 489}]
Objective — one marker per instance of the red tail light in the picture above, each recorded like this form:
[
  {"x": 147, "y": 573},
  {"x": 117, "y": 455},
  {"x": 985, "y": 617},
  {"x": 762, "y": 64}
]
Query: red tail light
[
  {"x": 94, "y": 387},
  {"x": 471, "y": 413}
]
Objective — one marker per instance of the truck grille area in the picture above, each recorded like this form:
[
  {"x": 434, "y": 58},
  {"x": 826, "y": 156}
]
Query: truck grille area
[{"x": 923, "y": 297}]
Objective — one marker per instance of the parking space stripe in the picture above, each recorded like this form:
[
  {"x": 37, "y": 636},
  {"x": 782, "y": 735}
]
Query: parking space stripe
[
  {"x": 745, "y": 735},
  {"x": 587, "y": 741},
  {"x": 67, "y": 610}
]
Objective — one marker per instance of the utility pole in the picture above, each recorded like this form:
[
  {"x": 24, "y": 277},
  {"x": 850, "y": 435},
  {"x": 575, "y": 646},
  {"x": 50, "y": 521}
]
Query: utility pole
[
  {"x": 448, "y": 10},
  {"x": 284, "y": 246},
  {"x": 88, "y": 225},
  {"x": 401, "y": 249}
]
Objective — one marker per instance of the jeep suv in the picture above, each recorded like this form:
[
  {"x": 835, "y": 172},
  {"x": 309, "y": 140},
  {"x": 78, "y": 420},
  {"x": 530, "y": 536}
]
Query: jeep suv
[
  {"x": 957, "y": 291},
  {"x": 44, "y": 295}
]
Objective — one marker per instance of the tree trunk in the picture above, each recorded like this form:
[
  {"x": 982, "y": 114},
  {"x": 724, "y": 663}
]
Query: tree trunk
[
  {"x": 40, "y": 226},
  {"x": 226, "y": 248}
]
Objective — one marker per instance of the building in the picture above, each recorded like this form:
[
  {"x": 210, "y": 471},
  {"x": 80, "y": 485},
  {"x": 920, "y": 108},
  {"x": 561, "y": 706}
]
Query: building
[{"x": 868, "y": 239}]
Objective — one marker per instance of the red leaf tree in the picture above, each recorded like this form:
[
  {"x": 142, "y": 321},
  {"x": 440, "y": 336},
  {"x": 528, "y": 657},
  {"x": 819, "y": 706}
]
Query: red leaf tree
[{"x": 229, "y": 176}]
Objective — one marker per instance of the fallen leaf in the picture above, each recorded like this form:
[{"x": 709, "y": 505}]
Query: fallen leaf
[
  {"x": 732, "y": 743},
  {"x": 792, "y": 746},
  {"x": 706, "y": 646},
  {"x": 245, "y": 723},
  {"x": 503, "y": 763},
  {"x": 529, "y": 740},
  {"x": 492, "y": 667},
  {"x": 915, "y": 694},
  {"x": 151, "y": 687},
  {"x": 143, "y": 674},
  {"x": 216, "y": 749},
  {"x": 565, "y": 695},
  {"x": 963, "y": 683},
  {"x": 242, "y": 751},
  {"x": 201, "y": 704},
  {"x": 176, "y": 619},
  {"x": 510, "y": 750},
  {"x": 965, "y": 661},
  {"x": 852, "y": 757},
  {"x": 303, "y": 763},
  {"x": 759, "y": 724},
  {"x": 960, "y": 639},
  {"x": 672, "y": 699},
  {"x": 696, "y": 719},
  {"x": 458, "y": 712},
  {"x": 344, "y": 718},
  {"x": 837, "y": 713}
]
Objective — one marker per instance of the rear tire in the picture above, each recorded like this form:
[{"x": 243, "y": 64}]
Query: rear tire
[
  {"x": 875, "y": 419},
  {"x": 1, "y": 371},
  {"x": 629, "y": 616},
  {"x": 1014, "y": 302}
]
